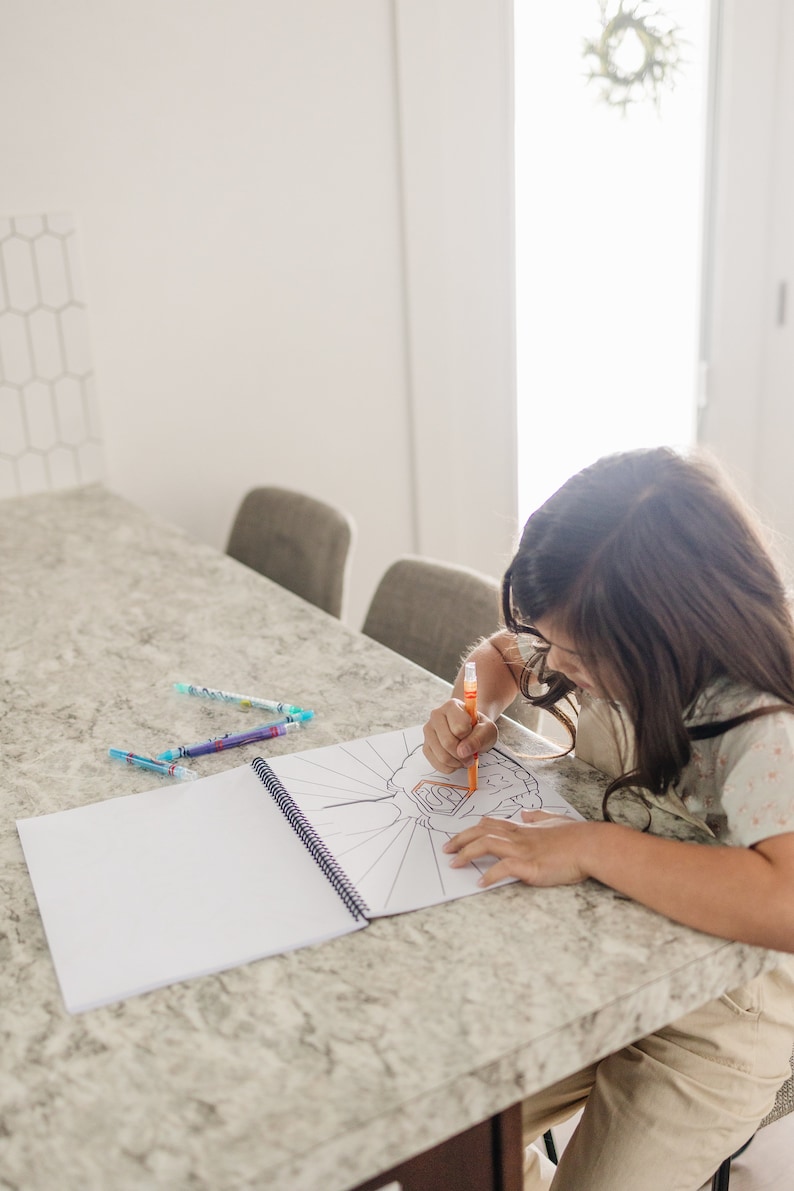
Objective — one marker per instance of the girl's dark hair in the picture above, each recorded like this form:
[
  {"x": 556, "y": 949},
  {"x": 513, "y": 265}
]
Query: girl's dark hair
[{"x": 654, "y": 568}]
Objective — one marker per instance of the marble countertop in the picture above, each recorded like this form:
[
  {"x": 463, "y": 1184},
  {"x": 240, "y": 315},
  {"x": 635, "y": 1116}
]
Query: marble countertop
[{"x": 314, "y": 1070}]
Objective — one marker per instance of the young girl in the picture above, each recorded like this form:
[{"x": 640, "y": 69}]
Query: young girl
[{"x": 642, "y": 591}]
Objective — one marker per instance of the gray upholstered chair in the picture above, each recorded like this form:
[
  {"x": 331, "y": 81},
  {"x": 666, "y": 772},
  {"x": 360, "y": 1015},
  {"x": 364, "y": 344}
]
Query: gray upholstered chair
[
  {"x": 431, "y": 612},
  {"x": 300, "y": 542},
  {"x": 784, "y": 1104}
]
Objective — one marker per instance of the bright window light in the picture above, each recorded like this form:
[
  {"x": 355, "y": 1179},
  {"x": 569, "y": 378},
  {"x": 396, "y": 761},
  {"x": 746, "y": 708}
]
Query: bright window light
[{"x": 609, "y": 222}]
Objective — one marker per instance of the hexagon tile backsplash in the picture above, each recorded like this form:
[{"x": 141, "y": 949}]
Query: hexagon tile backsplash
[{"x": 49, "y": 424}]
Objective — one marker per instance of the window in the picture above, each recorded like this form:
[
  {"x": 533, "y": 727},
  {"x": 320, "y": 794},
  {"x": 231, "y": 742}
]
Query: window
[{"x": 609, "y": 203}]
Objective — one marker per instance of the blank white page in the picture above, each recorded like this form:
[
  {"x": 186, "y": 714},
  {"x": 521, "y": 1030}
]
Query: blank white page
[{"x": 144, "y": 890}]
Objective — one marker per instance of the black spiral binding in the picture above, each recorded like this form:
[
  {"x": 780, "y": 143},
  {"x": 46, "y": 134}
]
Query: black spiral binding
[{"x": 313, "y": 843}]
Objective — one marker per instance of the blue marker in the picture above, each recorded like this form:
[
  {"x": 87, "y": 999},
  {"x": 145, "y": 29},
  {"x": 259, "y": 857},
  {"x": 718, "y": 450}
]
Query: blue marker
[{"x": 156, "y": 766}]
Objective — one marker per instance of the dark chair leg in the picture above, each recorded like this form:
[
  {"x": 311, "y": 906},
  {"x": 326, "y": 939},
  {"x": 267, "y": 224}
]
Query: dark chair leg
[
  {"x": 551, "y": 1149},
  {"x": 722, "y": 1178},
  {"x": 742, "y": 1148}
]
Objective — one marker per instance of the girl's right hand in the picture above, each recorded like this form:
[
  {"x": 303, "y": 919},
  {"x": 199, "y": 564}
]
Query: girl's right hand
[{"x": 451, "y": 740}]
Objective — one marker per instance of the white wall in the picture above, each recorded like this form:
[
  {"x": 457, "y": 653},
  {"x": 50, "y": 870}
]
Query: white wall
[
  {"x": 248, "y": 201},
  {"x": 455, "y": 64},
  {"x": 749, "y": 417}
]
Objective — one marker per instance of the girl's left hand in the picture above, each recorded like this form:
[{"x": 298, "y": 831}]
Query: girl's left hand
[{"x": 544, "y": 849}]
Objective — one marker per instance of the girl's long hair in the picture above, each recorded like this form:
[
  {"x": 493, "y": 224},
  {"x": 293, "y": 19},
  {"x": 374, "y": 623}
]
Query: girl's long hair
[{"x": 651, "y": 564}]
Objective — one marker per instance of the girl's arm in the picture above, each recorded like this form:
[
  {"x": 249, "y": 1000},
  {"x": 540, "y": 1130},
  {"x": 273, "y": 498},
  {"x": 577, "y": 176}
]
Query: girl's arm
[
  {"x": 450, "y": 737},
  {"x": 745, "y": 894}
]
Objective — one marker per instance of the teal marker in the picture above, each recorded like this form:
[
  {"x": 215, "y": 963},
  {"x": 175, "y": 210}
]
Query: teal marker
[
  {"x": 246, "y": 701},
  {"x": 156, "y": 766}
]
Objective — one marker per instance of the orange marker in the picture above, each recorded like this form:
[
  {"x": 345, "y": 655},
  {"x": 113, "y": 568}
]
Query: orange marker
[{"x": 470, "y": 703}]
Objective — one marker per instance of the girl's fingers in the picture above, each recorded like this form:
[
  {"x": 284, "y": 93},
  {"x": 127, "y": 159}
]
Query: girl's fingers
[
  {"x": 546, "y": 819},
  {"x": 512, "y": 859},
  {"x": 486, "y": 845},
  {"x": 552, "y": 857},
  {"x": 442, "y": 734},
  {"x": 449, "y": 739},
  {"x": 485, "y": 827},
  {"x": 482, "y": 737}
]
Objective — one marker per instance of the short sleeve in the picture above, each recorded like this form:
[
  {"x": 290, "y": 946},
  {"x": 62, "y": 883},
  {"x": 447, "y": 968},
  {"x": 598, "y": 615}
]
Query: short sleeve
[{"x": 754, "y": 778}]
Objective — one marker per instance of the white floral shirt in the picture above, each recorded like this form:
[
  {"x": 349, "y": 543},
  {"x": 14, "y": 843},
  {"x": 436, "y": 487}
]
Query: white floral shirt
[{"x": 740, "y": 784}]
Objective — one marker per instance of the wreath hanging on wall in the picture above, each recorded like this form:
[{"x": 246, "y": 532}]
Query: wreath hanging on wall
[{"x": 637, "y": 54}]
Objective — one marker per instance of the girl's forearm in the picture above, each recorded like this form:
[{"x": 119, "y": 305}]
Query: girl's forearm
[
  {"x": 497, "y": 675},
  {"x": 746, "y": 894}
]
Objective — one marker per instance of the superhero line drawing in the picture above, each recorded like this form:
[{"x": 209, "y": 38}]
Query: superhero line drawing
[{"x": 385, "y": 814}]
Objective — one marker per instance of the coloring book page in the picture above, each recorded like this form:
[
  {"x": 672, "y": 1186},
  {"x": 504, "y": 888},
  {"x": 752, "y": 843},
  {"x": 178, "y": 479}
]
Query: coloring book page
[{"x": 385, "y": 814}]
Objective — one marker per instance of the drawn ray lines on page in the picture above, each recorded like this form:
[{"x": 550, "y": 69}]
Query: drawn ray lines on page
[
  {"x": 401, "y": 754},
  {"x": 329, "y": 829},
  {"x": 358, "y": 801},
  {"x": 400, "y": 867},
  {"x": 441, "y": 880},
  {"x": 406, "y": 824},
  {"x": 346, "y": 778},
  {"x": 364, "y": 780},
  {"x": 388, "y": 768},
  {"x": 310, "y": 788},
  {"x": 480, "y": 865},
  {"x": 392, "y": 829}
]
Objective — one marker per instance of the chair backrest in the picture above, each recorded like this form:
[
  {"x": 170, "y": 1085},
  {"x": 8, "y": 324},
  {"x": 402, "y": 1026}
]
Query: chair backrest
[
  {"x": 431, "y": 612},
  {"x": 784, "y": 1104},
  {"x": 784, "y": 1100},
  {"x": 300, "y": 542}
]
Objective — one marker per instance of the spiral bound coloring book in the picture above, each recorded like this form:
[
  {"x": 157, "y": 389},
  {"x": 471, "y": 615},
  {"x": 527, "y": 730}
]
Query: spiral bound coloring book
[{"x": 144, "y": 890}]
